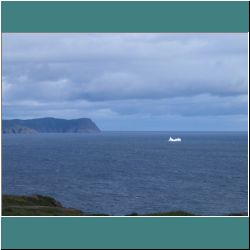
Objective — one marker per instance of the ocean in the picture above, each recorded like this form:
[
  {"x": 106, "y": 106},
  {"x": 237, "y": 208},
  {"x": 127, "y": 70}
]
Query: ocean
[{"x": 120, "y": 173}]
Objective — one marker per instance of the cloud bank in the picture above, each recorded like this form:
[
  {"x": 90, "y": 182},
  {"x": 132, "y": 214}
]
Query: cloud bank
[{"x": 129, "y": 81}]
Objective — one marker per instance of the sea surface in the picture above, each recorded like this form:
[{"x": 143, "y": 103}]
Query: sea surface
[{"x": 119, "y": 173}]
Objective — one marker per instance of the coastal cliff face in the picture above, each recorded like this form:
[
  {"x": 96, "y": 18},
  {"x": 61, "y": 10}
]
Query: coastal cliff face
[{"x": 49, "y": 125}]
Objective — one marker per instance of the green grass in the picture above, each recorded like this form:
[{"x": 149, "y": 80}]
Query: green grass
[
  {"x": 39, "y": 205},
  {"x": 40, "y": 211},
  {"x": 174, "y": 213},
  {"x": 34, "y": 200},
  {"x": 14, "y": 205}
]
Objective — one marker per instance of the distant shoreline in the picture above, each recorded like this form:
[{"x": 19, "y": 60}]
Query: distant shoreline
[{"x": 49, "y": 125}]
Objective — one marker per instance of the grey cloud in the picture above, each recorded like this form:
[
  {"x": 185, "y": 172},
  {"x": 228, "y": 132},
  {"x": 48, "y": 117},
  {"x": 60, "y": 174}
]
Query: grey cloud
[
  {"x": 124, "y": 66},
  {"x": 122, "y": 75},
  {"x": 201, "y": 105}
]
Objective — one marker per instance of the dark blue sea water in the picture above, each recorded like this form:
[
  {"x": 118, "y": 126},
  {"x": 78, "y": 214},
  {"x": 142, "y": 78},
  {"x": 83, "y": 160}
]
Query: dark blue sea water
[{"x": 120, "y": 173}]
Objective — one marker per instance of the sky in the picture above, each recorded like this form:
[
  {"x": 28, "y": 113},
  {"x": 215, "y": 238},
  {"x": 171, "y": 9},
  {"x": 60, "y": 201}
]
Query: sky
[{"x": 144, "y": 81}]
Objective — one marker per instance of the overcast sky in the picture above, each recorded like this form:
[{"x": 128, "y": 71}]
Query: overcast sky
[{"x": 128, "y": 81}]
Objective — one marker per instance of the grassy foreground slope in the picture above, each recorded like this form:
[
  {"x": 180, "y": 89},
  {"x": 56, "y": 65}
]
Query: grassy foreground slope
[
  {"x": 39, "y": 205},
  {"x": 34, "y": 205}
]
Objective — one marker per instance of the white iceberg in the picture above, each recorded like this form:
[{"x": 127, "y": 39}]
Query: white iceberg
[{"x": 174, "y": 139}]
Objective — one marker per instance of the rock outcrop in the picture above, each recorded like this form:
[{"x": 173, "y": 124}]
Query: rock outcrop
[{"x": 49, "y": 125}]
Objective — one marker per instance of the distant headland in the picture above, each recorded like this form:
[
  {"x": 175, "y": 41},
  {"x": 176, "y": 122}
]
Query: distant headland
[{"x": 49, "y": 125}]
